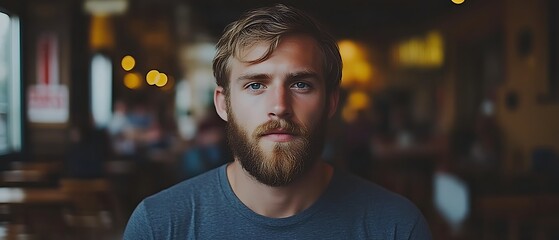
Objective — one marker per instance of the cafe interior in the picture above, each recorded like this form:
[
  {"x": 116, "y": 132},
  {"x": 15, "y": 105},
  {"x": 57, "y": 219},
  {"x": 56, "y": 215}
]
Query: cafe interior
[{"x": 453, "y": 104}]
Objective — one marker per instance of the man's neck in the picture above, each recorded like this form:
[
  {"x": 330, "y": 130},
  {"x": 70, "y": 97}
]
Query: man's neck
[{"x": 279, "y": 202}]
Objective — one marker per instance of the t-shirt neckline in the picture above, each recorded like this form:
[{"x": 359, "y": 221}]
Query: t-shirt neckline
[{"x": 246, "y": 212}]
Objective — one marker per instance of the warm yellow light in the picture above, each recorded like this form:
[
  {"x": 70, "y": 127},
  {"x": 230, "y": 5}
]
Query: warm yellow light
[
  {"x": 350, "y": 51},
  {"x": 152, "y": 77},
  {"x": 132, "y": 80},
  {"x": 435, "y": 46},
  {"x": 425, "y": 52},
  {"x": 358, "y": 101},
  {"x": 161, "y": 80},
  {"x": 128, "y": 62},
  {"x": 357, "y": 71},
  {"x": 458, "y": 1},
  {"x": 362, "y": 72},
  {"x": 101, "y": 32}
]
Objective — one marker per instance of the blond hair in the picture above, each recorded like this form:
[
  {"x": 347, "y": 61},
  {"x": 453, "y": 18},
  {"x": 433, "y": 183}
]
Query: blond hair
[{"x": 268, "y": 25}]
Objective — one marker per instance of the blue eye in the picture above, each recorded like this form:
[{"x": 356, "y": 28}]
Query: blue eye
[
  {"x": 255, "y": 86},
  {"x": 301, "y": 85}
]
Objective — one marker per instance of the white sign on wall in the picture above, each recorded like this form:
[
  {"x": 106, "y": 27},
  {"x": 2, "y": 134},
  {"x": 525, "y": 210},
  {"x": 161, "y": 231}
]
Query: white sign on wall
[
  {"x": 48, "y": 99},
  {"x": 48, "y": 104}
]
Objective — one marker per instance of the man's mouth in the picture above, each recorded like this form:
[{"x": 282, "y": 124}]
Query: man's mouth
[{"x": 278, "y": 135}]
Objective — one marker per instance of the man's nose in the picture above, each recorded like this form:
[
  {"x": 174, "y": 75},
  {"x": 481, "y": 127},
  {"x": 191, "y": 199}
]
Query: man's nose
[{"x": 280, "y": 103}]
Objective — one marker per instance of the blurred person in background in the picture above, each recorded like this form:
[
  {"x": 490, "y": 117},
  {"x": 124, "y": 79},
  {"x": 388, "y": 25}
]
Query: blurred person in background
[
  {"x": 118, "y": 129},
  {"x": 209, "y": 150},
  {"x": 88, "y": 151},
  {"x": 278, "y": 76},
  {"x": 136, "y": 131}
]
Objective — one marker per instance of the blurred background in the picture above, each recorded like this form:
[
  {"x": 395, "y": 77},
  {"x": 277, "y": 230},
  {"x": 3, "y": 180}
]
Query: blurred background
[{"x": 453, "y": 104}]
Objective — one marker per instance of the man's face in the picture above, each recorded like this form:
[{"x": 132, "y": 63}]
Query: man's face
[{"x": 277, "y": 110}]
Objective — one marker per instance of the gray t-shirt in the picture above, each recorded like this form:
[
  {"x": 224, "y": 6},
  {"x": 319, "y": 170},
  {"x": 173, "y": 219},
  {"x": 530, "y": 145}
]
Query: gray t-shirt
[{"x": 205, "y": 207}]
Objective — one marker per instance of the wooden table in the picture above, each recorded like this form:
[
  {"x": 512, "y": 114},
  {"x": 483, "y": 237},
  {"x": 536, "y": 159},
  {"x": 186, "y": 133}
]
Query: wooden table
[
  {"x": 32, "y": 196},
  {"x": 37, "y": 211}
]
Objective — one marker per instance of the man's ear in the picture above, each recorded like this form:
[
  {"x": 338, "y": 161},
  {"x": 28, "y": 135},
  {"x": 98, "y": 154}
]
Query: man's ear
[
  {"x": 333, "y": 102},
  {"x": 219, "y": 102}
]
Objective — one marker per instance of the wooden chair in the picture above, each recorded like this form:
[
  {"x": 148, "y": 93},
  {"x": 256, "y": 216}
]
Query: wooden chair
[{"x": 95, "y": 211}]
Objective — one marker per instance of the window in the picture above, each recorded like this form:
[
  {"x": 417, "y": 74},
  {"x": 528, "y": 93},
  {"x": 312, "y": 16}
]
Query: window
[
  {"x": 101, "y": 89},
  {"x": 10, "y": 84}
]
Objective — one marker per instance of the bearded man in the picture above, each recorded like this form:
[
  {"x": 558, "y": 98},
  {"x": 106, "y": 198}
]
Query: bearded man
[{"x": 278, "y": 76}]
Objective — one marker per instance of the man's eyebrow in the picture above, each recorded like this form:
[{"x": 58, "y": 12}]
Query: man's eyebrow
[
  {"x": 253, "y": 76},
  {"x": 303, "y": 75}
]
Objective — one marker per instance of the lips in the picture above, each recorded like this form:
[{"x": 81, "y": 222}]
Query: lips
[
  {"x": 277, "y": 131},
  {"x": 278, "y": 135}
]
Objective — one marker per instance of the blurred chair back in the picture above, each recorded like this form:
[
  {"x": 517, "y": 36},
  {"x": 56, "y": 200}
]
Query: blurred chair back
[{"x": 94, "y": 206}]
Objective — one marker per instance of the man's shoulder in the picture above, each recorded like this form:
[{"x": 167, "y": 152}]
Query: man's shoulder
[
  {"x": 376, "y": 198},
  {"x": 384, "y": 210},
  {"x": 168, "y": 213}
]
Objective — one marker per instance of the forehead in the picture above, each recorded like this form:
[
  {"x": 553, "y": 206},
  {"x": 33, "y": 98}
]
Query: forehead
[{"x": 298, "y": 49}]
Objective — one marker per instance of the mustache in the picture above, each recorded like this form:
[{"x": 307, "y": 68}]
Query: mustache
[{"x": 285, "y": 125}]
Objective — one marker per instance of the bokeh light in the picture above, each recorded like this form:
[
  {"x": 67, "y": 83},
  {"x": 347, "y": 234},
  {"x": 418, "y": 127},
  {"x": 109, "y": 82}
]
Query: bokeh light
[
  {"x": 356, "y": 101},
  {"x": 133, "y": 80},
  {"x": 161, "y": 80},
  {"x": 152, "y": 77},
  {"x": 350, "y": 50},
  {"x": 421, "y": 51},
  {"x": 128, "y": 62},
  {"x": 357, "y": 71},
  {"x": 458, "y": 1}
]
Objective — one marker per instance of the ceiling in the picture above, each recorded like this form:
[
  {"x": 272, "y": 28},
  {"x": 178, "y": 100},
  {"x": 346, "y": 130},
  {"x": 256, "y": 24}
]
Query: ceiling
[{"x": 347, "y": 18}]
